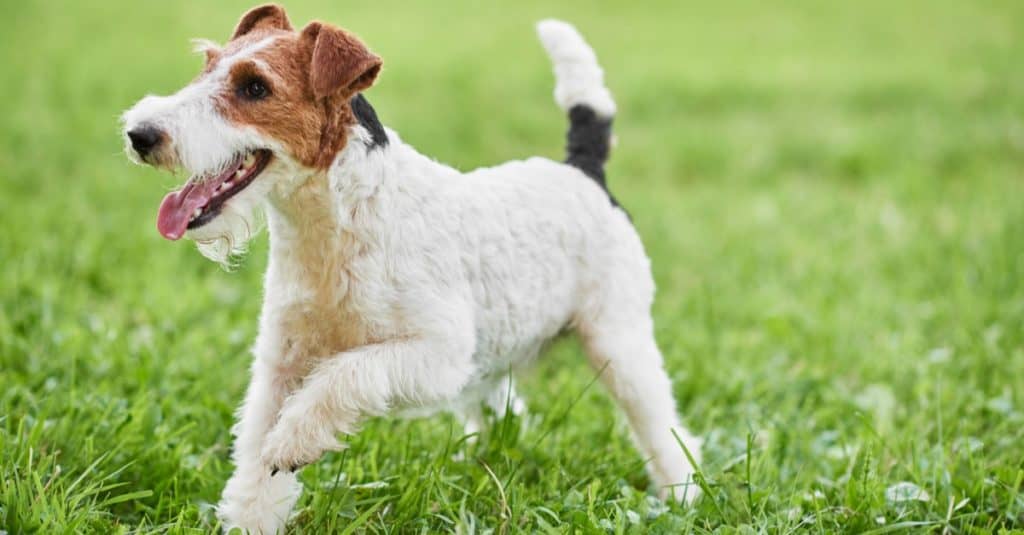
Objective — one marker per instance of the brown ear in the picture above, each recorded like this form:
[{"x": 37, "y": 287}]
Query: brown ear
[
  {"x": 269, "y": 16},
  {"x": 339, "y": 61}
]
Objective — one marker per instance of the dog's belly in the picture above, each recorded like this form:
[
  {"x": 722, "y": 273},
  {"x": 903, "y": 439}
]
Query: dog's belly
[
  {"x": 503, "y": 344},
  {"x": 519, "y": 310}
]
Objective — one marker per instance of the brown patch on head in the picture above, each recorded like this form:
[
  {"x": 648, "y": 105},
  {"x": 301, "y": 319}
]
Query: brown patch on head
[{"x": 308, "y": 78}]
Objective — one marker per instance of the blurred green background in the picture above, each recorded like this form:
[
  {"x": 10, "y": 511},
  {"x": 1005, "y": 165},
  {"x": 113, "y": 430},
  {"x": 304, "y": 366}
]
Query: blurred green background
[{"x": 831, "y": 194}]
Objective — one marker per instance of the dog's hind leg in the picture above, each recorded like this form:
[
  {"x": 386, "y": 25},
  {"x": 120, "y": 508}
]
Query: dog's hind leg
[
  {"x": 498, "y": 395},
  {"x": 620, "y": 345},
  {"x": 503, "y": 398}
]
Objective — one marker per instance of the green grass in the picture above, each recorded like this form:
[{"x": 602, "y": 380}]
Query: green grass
[{"x": 832, "y": 196}]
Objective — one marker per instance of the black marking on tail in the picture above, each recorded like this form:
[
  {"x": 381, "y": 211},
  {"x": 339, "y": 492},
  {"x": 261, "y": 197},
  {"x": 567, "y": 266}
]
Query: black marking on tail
[
  {"x": 588, "y": 144},
  {"x": 367, "y": 117}
]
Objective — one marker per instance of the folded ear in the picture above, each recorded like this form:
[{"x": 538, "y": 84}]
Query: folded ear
[
  {"x": 339, "y": 63},
  {"x": 269, "y": 16}
]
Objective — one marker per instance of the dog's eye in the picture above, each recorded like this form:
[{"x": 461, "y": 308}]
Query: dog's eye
[{"x": 254, "y": 89}]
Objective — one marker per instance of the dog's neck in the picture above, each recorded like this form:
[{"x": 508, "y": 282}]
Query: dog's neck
[{"x": 334, "y": 212}]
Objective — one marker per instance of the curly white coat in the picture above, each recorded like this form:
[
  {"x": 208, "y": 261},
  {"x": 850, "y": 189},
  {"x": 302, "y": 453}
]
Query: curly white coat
[{"x": 396, "y": 282}]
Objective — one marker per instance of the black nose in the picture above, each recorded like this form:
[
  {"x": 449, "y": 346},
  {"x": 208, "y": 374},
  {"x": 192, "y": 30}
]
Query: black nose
[{"x": 145, "y": 138}]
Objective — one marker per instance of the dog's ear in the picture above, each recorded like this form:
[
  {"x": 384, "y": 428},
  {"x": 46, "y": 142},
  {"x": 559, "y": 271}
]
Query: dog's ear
[
  {"x": 339, "y": 62},
  {"x": 269, "y": 16}
]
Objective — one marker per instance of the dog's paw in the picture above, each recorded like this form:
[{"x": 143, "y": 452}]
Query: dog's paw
[
  {"x": 237, "y": 517},
  {"x": 257, "y": 503},
  {"x": 674, "y": 474},
  {"x": 285, "y": 455},
  {"x": 286, "y": 449},
  {"x": 683, "y": 493}
]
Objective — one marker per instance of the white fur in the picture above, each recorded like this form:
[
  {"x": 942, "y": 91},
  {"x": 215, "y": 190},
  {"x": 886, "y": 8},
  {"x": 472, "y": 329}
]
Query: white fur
[
  {"x": 446, "y": 279},
  {"x": 578, "y": 77}
]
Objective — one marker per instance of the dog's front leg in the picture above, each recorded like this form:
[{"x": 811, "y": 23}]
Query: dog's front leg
[
  {"x": 366, "y": 381},
  {"x": 252, "y": 499}
]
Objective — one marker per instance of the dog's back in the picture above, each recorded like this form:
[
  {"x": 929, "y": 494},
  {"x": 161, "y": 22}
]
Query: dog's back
[{"x": 547, "y": 236}]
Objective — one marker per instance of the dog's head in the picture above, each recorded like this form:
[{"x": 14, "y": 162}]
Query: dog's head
[{"x": 269, "y": 109}]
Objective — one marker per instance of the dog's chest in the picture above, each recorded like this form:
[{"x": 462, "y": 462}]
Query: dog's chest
[{"x": 314, "y": 311}]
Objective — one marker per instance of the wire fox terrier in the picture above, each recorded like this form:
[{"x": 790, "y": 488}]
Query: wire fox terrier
[{"x": 396, "y": 282}]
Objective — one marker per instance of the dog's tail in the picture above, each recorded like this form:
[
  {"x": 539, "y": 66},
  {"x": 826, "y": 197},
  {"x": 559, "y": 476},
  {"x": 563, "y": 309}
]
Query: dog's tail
[{"x": 580, "y": 91}]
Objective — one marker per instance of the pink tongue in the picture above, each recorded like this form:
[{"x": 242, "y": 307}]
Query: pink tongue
[{"x": 178, "y": 206}]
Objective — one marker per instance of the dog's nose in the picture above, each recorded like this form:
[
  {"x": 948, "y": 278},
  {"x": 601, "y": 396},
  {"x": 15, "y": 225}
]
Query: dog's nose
[{"x": 145, "y": 138}]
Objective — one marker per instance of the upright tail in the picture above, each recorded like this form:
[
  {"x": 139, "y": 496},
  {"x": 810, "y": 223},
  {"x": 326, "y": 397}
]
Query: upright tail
[{"x": 580, "y": 91}]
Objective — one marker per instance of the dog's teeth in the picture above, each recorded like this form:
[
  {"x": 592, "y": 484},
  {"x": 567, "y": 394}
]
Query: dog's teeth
[
  {"x": 249, "y": 160},
  {"x": 197, "y": 213},
  {"x": 239, "y": 173}
]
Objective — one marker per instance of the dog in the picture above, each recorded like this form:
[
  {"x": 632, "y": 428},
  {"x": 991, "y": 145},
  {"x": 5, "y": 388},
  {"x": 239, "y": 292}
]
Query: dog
[{"x": 395, "y": 282}]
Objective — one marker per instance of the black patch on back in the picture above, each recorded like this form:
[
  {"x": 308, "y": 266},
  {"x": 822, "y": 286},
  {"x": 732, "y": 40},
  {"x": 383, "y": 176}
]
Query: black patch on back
[
  {"x": 588, "y": 144},
  {"x": 367, "y": 118}
]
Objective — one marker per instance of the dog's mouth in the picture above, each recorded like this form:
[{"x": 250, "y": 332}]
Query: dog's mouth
[{"x": 202, "y": 197}]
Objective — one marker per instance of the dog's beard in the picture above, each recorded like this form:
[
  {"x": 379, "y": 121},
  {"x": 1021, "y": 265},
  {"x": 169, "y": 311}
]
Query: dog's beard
[{"x": 226, "y": 238}]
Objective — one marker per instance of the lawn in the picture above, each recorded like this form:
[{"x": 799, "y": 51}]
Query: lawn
[{"x": 832, "y": 195}]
